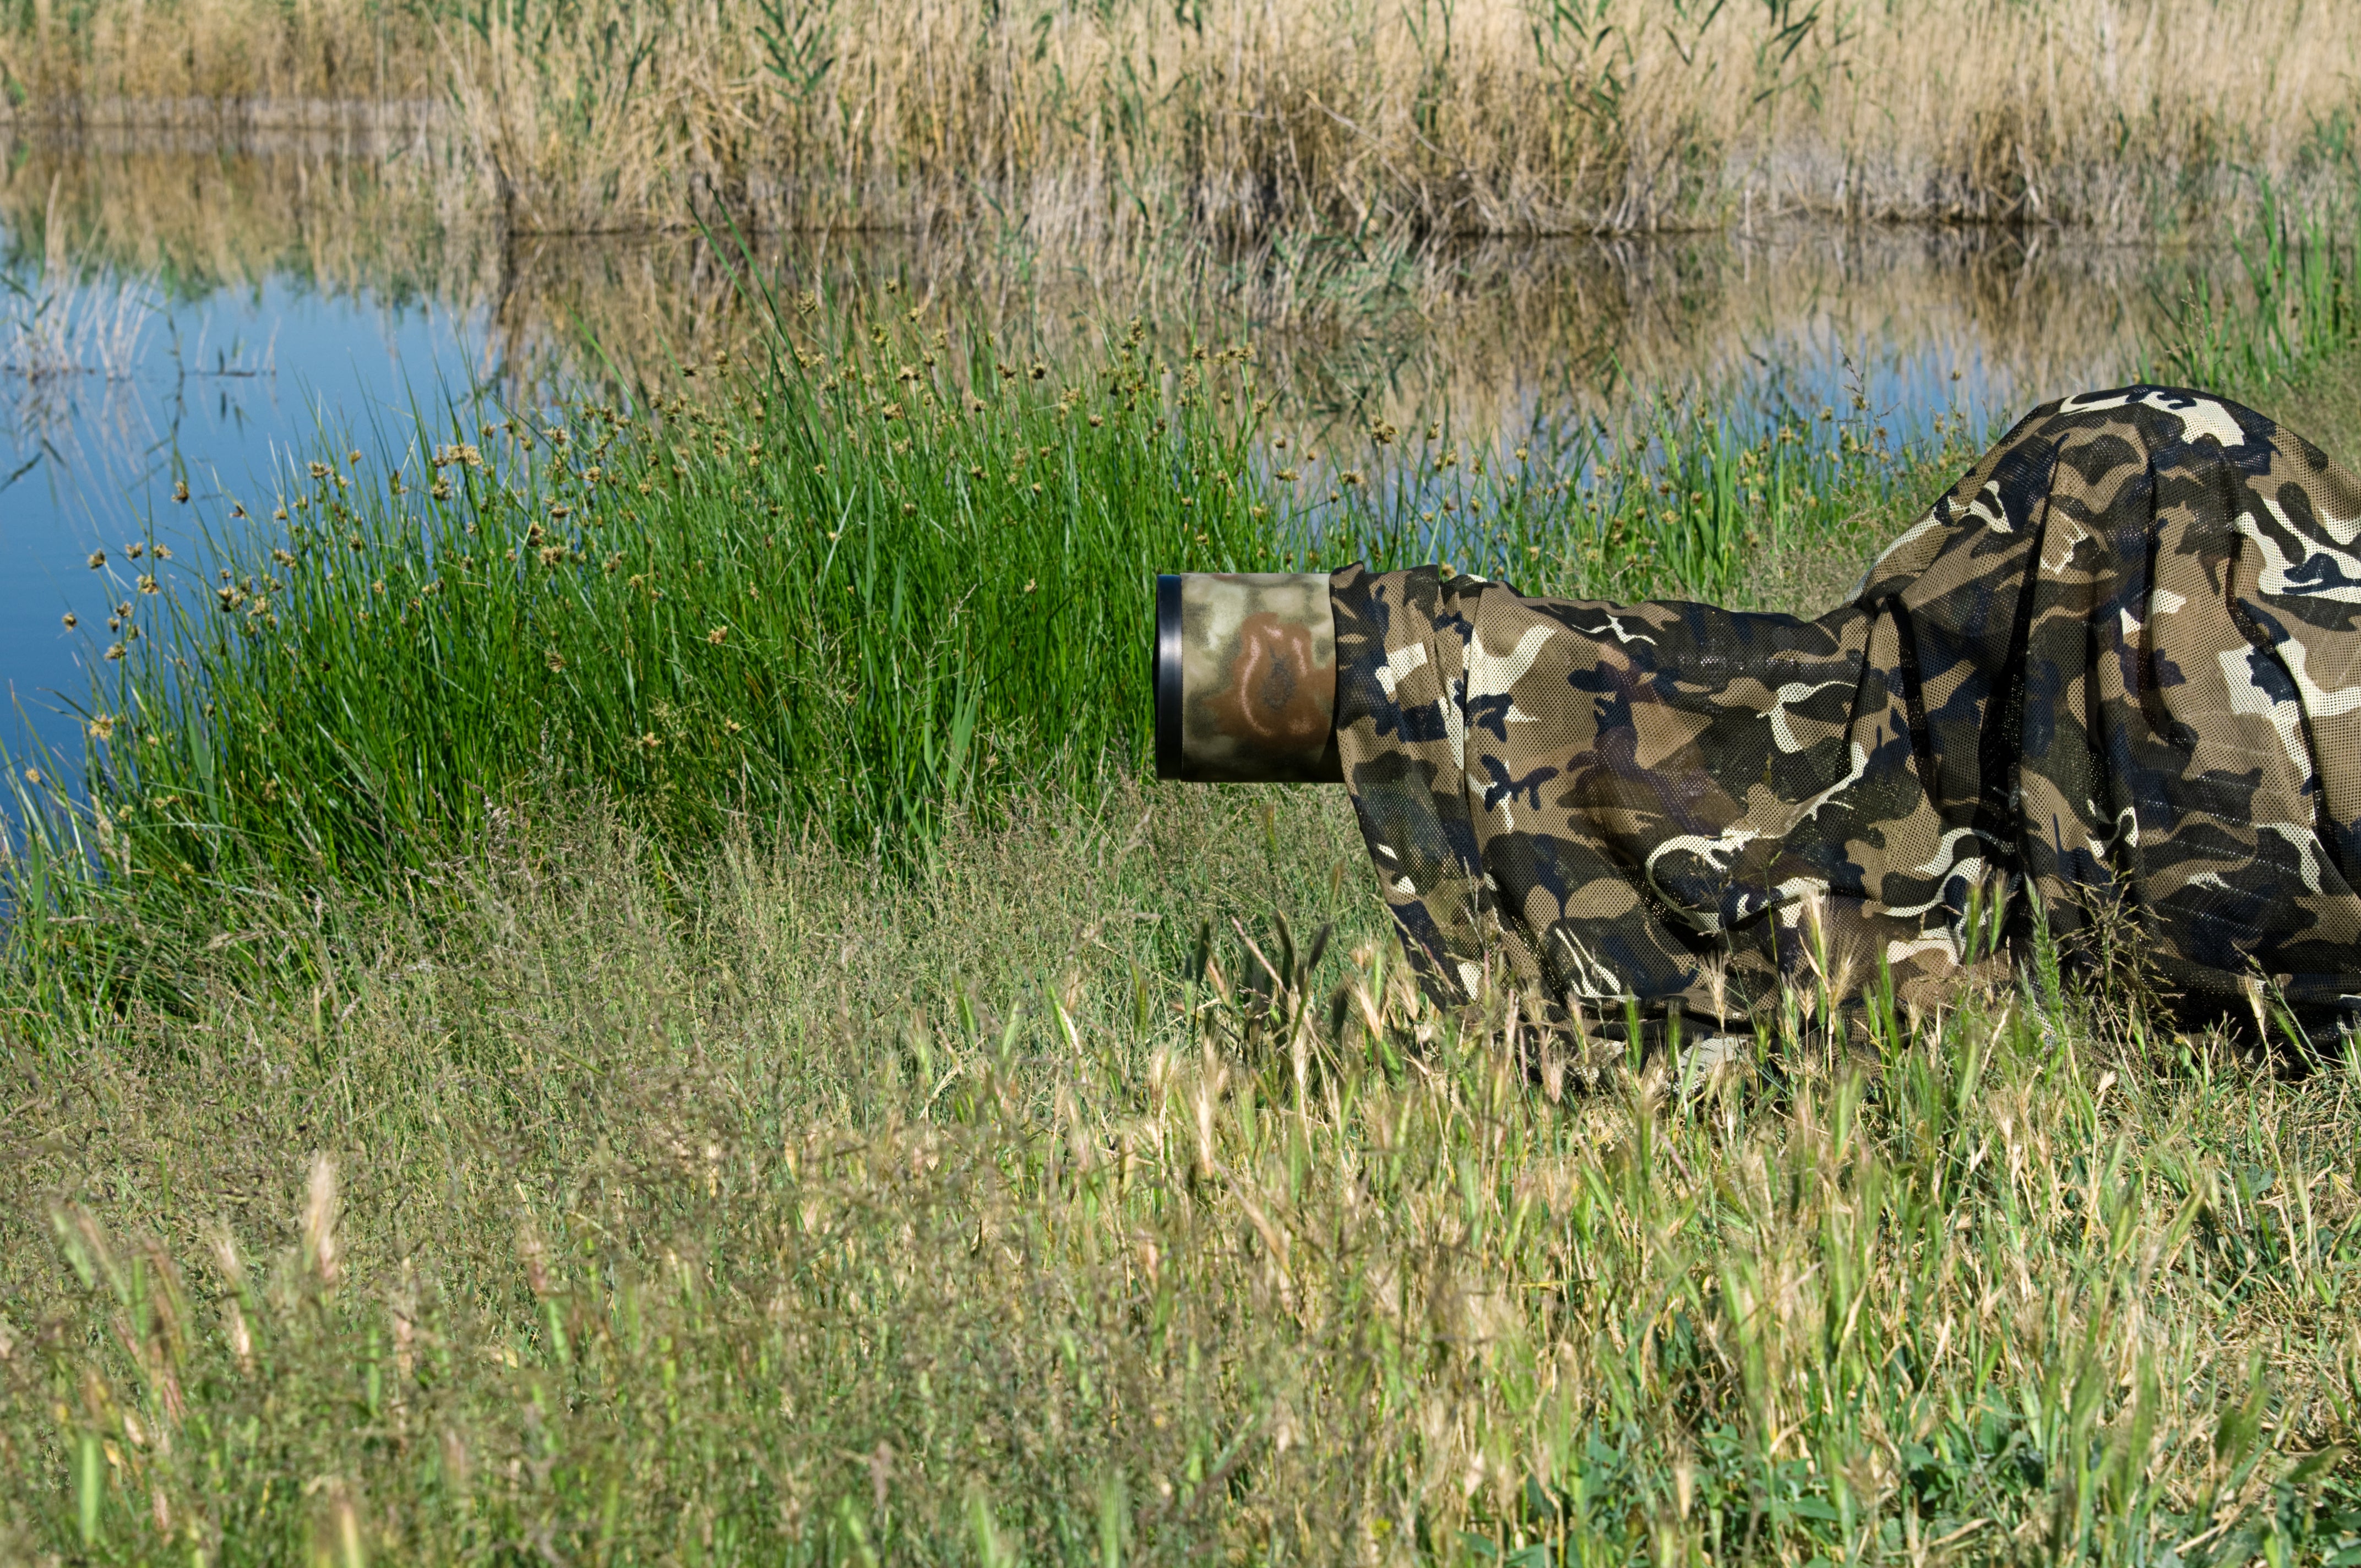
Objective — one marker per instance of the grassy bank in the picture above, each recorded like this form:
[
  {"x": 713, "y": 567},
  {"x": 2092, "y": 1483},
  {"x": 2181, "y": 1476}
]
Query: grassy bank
[
  {"x": 1008, "y": 1224},
  {"x": 1233, "y": 120}
]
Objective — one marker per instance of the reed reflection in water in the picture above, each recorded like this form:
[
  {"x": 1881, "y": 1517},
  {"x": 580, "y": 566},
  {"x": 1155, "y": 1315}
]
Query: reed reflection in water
[{"x": 218, "y": 311}]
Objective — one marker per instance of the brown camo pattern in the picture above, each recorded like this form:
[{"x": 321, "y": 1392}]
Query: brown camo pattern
[{"x": 2120, "y": 661}]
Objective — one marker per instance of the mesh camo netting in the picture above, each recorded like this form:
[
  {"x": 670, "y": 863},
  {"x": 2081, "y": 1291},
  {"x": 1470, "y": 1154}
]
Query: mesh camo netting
[{"x": 2118, "y": 663}]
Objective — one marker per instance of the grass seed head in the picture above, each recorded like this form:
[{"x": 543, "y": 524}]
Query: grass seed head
[{"x": 321, "y": 1211}]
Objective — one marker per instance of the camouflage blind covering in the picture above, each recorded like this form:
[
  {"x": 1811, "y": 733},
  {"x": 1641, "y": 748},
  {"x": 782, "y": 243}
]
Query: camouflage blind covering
[{"x": 2119, "y": 662}]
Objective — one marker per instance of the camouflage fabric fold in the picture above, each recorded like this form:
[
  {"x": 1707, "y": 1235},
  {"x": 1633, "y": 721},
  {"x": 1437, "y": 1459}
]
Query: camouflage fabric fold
[{"x": 2119, "y": 662}]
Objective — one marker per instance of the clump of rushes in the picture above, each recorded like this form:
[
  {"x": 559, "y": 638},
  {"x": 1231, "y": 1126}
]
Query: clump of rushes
[
  {"x": 2296, "y": 301},
  {"x": 887, "y": 576}
]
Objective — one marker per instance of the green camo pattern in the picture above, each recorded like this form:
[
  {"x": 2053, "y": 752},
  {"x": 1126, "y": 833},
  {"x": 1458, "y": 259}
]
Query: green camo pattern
[{"x": 2117, "y": 662}]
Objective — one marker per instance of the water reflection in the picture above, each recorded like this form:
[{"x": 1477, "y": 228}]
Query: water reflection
[{"x": 202, "y": 313}]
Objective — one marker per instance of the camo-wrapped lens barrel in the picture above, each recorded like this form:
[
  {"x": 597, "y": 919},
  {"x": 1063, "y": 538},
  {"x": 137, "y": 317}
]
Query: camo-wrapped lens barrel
[{"x": 1245, "y": 678}]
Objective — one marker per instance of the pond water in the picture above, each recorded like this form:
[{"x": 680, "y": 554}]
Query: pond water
[{"x": 208, "y": 316}]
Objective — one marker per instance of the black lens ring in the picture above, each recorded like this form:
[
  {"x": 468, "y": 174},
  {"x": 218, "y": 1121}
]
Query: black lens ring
[{"x": 1171, "y": 763}]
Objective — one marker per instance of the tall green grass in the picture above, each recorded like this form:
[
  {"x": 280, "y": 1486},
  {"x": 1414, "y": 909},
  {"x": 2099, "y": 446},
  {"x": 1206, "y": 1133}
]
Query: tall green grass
[{"x": 856, "y": 589}]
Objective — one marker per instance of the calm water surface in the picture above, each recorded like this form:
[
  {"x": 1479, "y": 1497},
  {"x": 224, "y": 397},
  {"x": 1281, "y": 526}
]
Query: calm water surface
[
  {"x": 173, "y": 317},
  {"x": 217, "y": 392}
]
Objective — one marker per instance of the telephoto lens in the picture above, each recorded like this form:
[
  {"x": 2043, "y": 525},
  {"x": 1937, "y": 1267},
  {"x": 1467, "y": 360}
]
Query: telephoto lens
[{"x": 1245, "y": 678}]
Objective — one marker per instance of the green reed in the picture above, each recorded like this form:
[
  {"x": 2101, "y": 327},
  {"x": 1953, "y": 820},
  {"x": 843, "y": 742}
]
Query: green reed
[
  {"x": 1683, "y": 502},
  {"x": 2296, "y": 301}
]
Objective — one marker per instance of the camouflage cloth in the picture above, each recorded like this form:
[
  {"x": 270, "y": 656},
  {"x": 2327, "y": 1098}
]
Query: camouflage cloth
[{"x": 2118, "y": 661}]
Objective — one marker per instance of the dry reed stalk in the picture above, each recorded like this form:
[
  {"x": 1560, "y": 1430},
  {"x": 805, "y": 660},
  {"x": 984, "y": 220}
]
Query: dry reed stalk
[{"x": 1483, "y": 117}]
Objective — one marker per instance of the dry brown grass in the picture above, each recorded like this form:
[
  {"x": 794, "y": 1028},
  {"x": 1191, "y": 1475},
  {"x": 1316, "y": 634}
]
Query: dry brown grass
[
  {"x": 788, "y": 1213},
  {"x": 1479, "y": 116}
]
